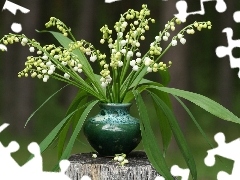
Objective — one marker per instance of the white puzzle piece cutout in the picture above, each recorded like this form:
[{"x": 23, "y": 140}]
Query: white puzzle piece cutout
[
  {"x": 6, "y": 160},
  {"x": 227, "y": 150},
  {"x": 222, "y": 51},
  {"x": 236, "y": 16},
  {"x": 11, "y": 170},
  {"x": 12, "y": 7},
  {"x": 3, "y": 126},
  {"x": 159, "y": 178},
  {"x": 16, "y": 27},
  {"x": 177, "y": 172},
  {"x": 182, "y": 6}
]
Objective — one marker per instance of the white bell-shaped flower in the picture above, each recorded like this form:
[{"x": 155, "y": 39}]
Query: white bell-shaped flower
[
  {"x": 183, "y": 40},
  {"x": 174, "y": 42}
]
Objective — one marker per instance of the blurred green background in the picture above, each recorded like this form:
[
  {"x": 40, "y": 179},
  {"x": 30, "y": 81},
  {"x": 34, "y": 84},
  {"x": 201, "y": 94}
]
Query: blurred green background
[{"x": 195, "y": 68}]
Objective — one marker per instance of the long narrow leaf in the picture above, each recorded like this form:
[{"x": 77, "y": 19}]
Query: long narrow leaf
[
  {"x": 64, "y": 41},
  {"x": 153, "y": 152},
  {"x": 182, "y": 144},
  {"x": 43, "y": 104},
  {"x": 203, "y": 102},
  {"x": 164, "y": 126},
  {"x": 48, "y": 140},
  {"x": 88, "y": 71},
  {"x": 143, "y": 81},
  {"x": 165, "y": 77},
  {"x": 62, "y": 138},
  {"x": 130, "y": 96},
  {"x": 76, "y": 131},
  {"x": 194, "y": 120},
  {"x": 77, "y": 103},
  {"x": 56, "y": 131},
  {"x": 73, "y": 122}
]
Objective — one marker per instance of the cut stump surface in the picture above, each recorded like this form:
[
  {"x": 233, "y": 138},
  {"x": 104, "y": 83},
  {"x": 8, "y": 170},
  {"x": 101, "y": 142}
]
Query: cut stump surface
[{"x": 105, "y": 168}]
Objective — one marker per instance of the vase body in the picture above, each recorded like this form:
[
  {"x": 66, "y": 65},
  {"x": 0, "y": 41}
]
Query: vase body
[{"x": 113, "y": 130}]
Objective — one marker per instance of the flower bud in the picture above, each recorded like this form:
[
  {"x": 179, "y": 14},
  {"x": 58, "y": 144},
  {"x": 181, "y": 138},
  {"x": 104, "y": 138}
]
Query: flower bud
[
  {"x": 183, "y": 40},
  {"x": 24, "y": 40},
  {"x": 102, "y": 41},
  {"x": 120, "y": 158},
  {"x": 174, "y": 42},
  {"x": 94, "y": 155},
  {"x": 93, "y": 58},
  {"x": 66, "y": 75},
  {"x": 142, "y": 38},
  {"x": 149, "y": 69},
  {"x": 165, "y": 38},
  {"x": 135, "y": 68},
  {"x": 50, "y": 72},
  {"x": 120, "y": 63},
  {"x": 138, "y": 60},
  {"x": 138, "y": 54}
]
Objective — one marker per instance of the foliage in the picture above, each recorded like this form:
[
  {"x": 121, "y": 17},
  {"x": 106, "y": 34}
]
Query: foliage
[{"x": 121, "y": 80}]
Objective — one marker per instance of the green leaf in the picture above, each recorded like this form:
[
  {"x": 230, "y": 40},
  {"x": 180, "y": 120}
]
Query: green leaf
[
  {"x": 182, "y": 144},
  {"x": 195, "y": 121},
  {"x": 43, "y": 105},
  {"x": 203, "y": 102},
  {"x": 137, "y": 83},
  {"x": 76, "y": 116},
  {"x": 165, "y": 77},
  {"x": 62, "y": 138},
  {"x": 52, "y": 135},
  {"x": 76, "y": 104},
  {"x": 153, "y": 152},
  {"x": 130, "y": 96},
  {"x": 164, "y": 127},
  {"x": 65, "y": 41},
  {"x": 76, "y": 131}
]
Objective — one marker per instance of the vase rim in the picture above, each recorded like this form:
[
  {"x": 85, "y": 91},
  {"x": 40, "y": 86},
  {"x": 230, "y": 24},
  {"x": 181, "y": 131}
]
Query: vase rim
[{"x": 116, "y": 104}]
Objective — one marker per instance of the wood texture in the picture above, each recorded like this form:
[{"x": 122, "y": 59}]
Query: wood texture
[{"x": 105, "y": 168}]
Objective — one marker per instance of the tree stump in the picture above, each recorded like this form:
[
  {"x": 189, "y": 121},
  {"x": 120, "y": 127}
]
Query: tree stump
[{"x": 105, "y": 168}]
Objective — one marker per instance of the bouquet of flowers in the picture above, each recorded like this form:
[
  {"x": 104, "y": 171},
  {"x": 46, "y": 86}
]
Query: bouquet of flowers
[{"x": 121, "y": 79}]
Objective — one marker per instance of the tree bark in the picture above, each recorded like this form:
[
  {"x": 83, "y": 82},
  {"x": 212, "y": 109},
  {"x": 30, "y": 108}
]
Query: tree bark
[{"x": 104, "y": 168}]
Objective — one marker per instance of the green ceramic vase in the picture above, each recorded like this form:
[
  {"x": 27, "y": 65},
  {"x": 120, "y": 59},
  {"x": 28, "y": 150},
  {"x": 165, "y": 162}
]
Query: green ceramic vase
[{"x": 113, "y": 130}]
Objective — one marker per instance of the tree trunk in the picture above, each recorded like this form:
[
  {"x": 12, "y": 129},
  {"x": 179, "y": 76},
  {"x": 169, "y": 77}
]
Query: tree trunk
[{"x": 104, "y": 168}]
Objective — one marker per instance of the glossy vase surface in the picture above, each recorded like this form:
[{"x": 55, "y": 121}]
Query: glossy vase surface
[{"x": 113, "y": 130}]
